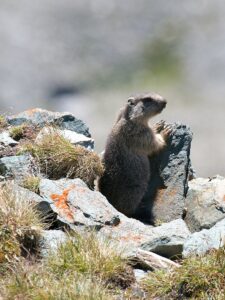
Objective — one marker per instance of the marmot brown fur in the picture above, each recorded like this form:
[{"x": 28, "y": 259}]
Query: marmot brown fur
[{"x": 128, "y": 147}]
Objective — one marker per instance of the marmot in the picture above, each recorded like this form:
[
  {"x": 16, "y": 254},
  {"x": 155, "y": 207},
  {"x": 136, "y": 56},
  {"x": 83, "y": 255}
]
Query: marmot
[{"x": 129, "y": 145}]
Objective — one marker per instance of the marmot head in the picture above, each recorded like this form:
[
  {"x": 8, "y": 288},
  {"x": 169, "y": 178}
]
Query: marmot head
[{"x": 143, "y": 107}]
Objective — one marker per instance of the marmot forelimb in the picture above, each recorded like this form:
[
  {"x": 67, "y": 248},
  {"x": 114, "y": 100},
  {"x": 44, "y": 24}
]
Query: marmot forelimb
[{"x": 128, "y": 147}]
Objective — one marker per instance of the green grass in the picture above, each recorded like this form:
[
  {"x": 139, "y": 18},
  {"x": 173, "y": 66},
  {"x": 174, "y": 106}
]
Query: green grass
[
  {"x": 17, "y": 132},
  {"x": 197, "y": 278},
  {"x": 58, "y": 158},
  {"x": 37, "y": 282},
  {"x": 85, "y": 267},
  {"x": 93, "y": 257}
]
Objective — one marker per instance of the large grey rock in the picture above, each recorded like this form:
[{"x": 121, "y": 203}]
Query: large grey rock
[
  {"x": 6, "y": 140},
  {"x": 51, "y": 240},
  {"x": 205, "y": 203},
  {"x": 41, "y": 118},
  {"x": 72, "y": 136},
  {"x": 80, "y": 208},
  {"x": 200, "y": 242},
  {"x": 170, "y": 170},
  {"x": 166, "y": 240},
  {"x": 16, "y": 166},
  {"x": 76, "y": 204}
]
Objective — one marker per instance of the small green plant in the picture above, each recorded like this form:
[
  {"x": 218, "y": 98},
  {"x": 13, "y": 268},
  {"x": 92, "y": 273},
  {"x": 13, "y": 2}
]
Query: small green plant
[
  {"x": 198, "y": 278},
  {"x": 17, "y": 132},
  {"x": 20, "y": 224},
  {"x": 58, "y": 158},
  {"x": 31, "y": 183},
  {"x": 3, "y": 122}
]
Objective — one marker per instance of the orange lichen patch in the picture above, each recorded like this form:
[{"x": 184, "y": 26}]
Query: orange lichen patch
[
  {"x": 61, "y": 202},
  {"x": 224, "y": 198},
  {"x": 135, "y": 238}
]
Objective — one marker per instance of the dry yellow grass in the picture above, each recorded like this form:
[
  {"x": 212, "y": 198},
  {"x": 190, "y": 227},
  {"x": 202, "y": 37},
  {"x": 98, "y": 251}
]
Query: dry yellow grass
[
  {"x": 31, "y": 183},
  {"x": 58, "y": 158},
  {"x": 20, "y": 225}
]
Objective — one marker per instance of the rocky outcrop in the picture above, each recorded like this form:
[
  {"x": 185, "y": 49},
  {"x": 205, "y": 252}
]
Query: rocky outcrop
[
  {"x": 70, "y": 205},
  {"x": 41, "y": 117},
  {"x": 205, "y": 203}
]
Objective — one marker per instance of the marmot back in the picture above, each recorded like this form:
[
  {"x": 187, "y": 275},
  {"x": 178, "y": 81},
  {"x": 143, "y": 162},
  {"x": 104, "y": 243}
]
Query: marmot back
[{"x": 128, "y": 147}]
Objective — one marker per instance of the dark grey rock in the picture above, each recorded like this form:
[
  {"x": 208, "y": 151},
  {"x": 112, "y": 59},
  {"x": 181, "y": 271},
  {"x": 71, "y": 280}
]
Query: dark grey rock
[
  {"x": 16, "y": 166},
  {"x": 41, "y": 118},
  {"x": 170, "y": 171},
  {"x": 205, "y": 203},
  {"x": 201, "y": 242}
]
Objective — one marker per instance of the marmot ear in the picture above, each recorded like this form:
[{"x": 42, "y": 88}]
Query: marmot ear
[{"x": 130, "y": 101}]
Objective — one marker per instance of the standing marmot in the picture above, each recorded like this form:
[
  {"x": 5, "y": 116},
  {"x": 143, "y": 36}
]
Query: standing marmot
[{"x": 128, "y": 147}]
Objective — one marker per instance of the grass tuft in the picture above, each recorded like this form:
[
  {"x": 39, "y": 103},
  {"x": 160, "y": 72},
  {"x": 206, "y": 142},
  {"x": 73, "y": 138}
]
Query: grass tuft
[
  {"x": 58, "y": 158},
  {"x": 37, "y": 282},
  {"x": 89, "y": 256},
  {"x": 20, "y": 225},
  {"x": 198, "y": 278},
  {"x": 31, "y": 183},
  {"x": 3, "y": 122},
  {"x": 83, "y": 268}
]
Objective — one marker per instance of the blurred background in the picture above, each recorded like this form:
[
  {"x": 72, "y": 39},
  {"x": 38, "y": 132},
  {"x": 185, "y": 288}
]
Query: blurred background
[{"x": 88, "y": 56}]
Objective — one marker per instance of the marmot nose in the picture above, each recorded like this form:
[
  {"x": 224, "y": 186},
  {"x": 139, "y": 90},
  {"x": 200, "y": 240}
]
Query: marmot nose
[{"x": 164, "y": 102}]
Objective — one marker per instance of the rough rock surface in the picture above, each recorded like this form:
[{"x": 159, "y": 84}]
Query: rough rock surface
[
  {"x": 205, "y": 203},
  {"x": 79, "y": 207},
  {"x": 16, "y": 166},
  {"x": 6, "y": 140},
  {"x": 200, "y": 242},
  {"x": 73, "y": 137},
  {"x": 51, "y": 240},
  {"x": 76, "y": 204},
  {"x": 170, "y": 170},
  {"x": 41, "y": 118}
]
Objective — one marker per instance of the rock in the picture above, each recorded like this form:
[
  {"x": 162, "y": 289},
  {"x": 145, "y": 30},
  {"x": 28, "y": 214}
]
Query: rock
[
  {"x": 205, "y": 203},
  {"x": 80, "y": 208},
  {"x": 16, "y": 166},
  {"x": 73, "y": 137},
  {"x": 167, "y": 240},
  {"x": 76, "y": 204},
  {"x": 170, "y": 170},
  {"x": 51, "y": 240},
  {"x": 41, "y": 118},
  {"x": 147, "y": 260},
  {"x": 200, "y": 242},
  {"x": 6, "y": 140},
  {"x": 139, "y": 274}
]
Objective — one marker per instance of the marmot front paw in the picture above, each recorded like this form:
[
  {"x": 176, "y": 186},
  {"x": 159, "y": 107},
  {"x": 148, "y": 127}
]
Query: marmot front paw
[{"x": 167, "y": 131}]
